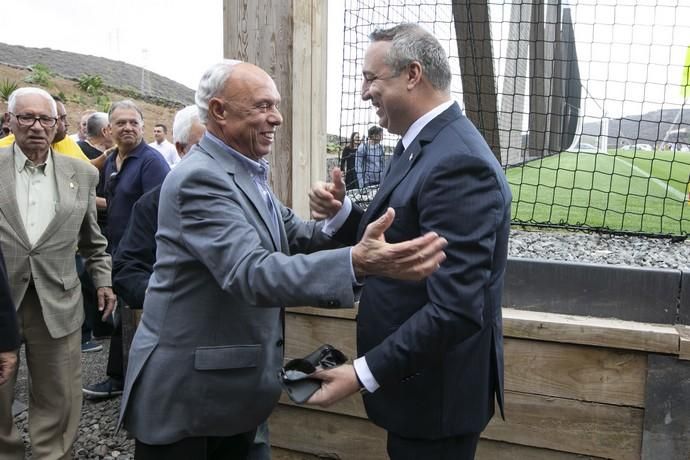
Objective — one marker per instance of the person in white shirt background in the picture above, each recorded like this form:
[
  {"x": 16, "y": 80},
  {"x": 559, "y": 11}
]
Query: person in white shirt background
[{"x": 164, "y": 147}]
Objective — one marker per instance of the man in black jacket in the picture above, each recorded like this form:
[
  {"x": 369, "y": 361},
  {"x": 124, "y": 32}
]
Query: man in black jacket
[{"x": 9, "y": 330}]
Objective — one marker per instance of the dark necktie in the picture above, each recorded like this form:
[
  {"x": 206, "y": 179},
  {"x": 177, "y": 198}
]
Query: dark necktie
[{"x": 399, "y": 149}]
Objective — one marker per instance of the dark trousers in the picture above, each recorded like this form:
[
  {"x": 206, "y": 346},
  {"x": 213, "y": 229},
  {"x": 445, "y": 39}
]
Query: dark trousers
[
  {"x": 455, "y": 448},
  {"x": 92, "y": 324},
  {"x": 202, "y": 448},
  {"x": 115, "y": 369}
]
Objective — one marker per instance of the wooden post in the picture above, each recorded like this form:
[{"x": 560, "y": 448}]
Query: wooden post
[{"x": 287, "y": 39}]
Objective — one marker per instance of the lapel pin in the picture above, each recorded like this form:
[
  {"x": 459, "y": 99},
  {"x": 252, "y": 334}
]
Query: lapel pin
[
  {"x": 71, "y": 185},
  {"x": 410, "y": 159}
]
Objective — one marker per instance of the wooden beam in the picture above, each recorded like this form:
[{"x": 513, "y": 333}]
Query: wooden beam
[
  {"x": 305, "y": 333},
  {"x": 261, "y": 32},
  {"x": 559, "y": 424},
  {"x": 545, "y": 368},
  {"x": 684, "y": 345},
  {"x": 611, "y": 333},
  {"x": 348, "y": 313},
  {"x": 309, "y": 99},
  {"x": 278, "y": 453},
  {"x": 571, "y": 426},
  {"x": 575, "y": 372},
  {"x": 495, "y": 450},
  {"x": 325, "y": 434},
  {"x": 288, "y": 40}
]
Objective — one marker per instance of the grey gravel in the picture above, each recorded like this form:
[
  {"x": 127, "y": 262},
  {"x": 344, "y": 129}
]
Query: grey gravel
[
  {"x": 598, "y": 248},
  {"x": 97, "y": 438}
]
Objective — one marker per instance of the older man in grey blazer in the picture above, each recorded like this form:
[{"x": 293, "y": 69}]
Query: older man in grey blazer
[
  {"x": 47, "y": 212},
  {"x": 204, "y": 361}
]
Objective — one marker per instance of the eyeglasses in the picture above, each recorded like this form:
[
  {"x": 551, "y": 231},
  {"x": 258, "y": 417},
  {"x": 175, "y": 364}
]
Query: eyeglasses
[{"x": 27, "y": 121}]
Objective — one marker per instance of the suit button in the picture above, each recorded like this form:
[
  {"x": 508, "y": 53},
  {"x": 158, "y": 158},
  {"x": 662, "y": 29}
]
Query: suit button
[{"x": 279, "y": 343}]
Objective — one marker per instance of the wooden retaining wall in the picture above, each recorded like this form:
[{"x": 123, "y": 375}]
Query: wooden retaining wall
[{"x": 576, "y": 386}]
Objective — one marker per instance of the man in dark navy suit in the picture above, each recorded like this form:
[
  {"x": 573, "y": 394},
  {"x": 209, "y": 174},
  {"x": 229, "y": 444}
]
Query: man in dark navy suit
[
  {"x": 430, "y": 352},
  {"x": 9, "y": 330}
]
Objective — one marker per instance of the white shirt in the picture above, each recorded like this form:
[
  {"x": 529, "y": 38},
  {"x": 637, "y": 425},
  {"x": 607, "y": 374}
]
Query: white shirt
[
  {"x": 36, "y": 189},
  {"x": 168, "y": 150},
  {"x": 334, "y": 223}
]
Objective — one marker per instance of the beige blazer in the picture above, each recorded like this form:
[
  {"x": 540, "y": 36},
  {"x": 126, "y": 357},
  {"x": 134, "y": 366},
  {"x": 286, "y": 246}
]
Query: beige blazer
[{"x": 50, "y": 261}]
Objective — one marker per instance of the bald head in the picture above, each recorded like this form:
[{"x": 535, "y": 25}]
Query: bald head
[{"x": 243, "y": 111}]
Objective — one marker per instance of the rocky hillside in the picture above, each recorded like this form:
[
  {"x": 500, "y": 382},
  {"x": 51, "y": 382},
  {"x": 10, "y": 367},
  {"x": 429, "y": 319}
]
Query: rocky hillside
[
  {"x": 117, "y": 85},
  {"x": 115, "y": 74}
]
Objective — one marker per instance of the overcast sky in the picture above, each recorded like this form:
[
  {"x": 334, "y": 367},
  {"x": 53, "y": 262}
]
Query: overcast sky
[
  {"x": 639, "y": 43},
  {"x": 175, "y": 38}
]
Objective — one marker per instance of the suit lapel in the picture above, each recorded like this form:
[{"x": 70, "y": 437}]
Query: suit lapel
[
  {"x": 401, "y": 166},
  {"x": 8, "y": 195},
  {"x": 245, "y": 183},
  {"x": 67, "y": 189}
]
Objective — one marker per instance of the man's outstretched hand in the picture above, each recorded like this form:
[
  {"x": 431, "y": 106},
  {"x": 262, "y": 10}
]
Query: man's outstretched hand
[{"x": 411, "y": 260}]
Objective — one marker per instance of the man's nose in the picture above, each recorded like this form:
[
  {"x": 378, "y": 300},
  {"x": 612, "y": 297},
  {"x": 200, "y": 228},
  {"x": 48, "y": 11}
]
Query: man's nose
[
  {"x": 365, "y": 91},
  {"x": 276, "y": 119}
]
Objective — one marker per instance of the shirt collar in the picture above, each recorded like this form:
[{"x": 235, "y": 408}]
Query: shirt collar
[
  {"x": 258, "y": 169},
  {"x": 422, "y": 121},
  {"x": 134, "y": 153},
  {"x": 21, "y": 161}
]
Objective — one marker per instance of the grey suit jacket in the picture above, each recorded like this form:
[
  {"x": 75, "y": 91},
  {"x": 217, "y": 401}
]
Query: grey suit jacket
[
  {"x": 205, "y": 358},
  {"x": 50, "y": 261}
]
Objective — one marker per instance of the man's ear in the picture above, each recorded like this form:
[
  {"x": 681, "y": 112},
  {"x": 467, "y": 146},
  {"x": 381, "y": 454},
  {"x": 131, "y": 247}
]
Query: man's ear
[
  {"x": 216, "y": 109},
  {"x": 414, "y": 74},
  {"x": 179, "y": 146}
]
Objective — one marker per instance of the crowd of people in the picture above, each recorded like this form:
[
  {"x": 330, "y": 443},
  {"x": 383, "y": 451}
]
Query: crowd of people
[{"x": 191, "y": 233}]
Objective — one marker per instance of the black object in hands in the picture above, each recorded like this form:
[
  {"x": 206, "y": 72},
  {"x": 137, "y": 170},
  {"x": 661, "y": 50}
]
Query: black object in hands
[{"x": 294, "y": 376}]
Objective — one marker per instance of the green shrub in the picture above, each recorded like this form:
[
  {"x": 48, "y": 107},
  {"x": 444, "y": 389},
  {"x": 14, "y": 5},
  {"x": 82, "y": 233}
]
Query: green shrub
[
  {"x": 40, "y": 75},
  {"x": 7, "y": 87},
  {"x": 92, "y": 84},
  {"x": 103, "y": 103}
]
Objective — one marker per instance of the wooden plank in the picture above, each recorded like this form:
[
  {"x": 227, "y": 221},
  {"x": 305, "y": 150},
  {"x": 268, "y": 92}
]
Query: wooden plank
[
  {"x": 684, "y": 344},
  {"x": 278, "y": 453},
  {"x": 609, "y": 333},
  {"x": 570, "y": 426},
  {"x": 352, "y": 406},
  {"x": 551, "y": 369},
  {"x": 301, "y": 113},
  {"x": 305, "y": 333},
  {"x": 261, "y": 32},
  {"x": 554, "y": 327},
  {"x": 558, "y": 424},
  {"x": 537, "y": 440},
  {"x": 346, "y": 313},
  {"x": 575, "y": 372},
  {"x": 495, "y": 450},
  {"x": 319, "y": 77},
  {"x": 325, "y": 434}
]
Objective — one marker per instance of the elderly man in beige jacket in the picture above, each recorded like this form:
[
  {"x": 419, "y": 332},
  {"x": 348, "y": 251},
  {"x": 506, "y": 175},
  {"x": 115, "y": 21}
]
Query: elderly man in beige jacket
[{"x": 47, "y": 211}]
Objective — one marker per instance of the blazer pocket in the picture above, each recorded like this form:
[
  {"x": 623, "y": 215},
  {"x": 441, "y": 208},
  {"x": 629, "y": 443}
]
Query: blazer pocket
[
  {"x": 70, "y": 282},
  {"x": 226, "y": 357}
]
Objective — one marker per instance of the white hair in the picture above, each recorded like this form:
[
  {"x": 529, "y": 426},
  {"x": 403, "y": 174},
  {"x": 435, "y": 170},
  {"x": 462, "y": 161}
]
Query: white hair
[
  {"x": 182, "y": 125},
  {"x": 95, "y": 123},
  {"x": 20, "y": 92},
  {"x": 212, "y": 83}
]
